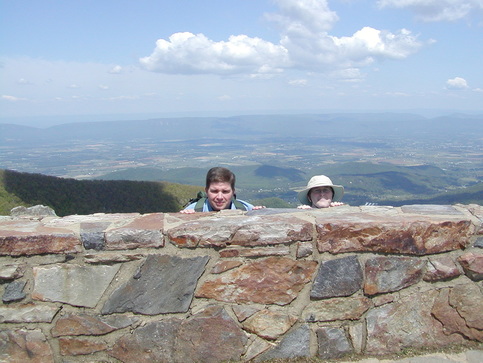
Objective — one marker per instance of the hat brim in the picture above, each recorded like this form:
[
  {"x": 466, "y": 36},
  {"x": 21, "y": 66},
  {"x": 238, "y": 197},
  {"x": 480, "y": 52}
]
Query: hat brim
[{"x": 338, "y": 193}]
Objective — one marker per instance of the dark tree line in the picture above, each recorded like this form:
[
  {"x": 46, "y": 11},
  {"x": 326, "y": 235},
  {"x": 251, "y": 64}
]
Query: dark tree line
[{"x": 71, "y": 196}]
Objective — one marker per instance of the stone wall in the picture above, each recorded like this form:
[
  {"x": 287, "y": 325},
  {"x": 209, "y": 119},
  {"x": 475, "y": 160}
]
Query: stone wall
[{"x": 213, "y": 287}]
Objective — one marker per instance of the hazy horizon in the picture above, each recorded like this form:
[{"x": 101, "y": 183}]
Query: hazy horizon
[
  {"x": 239, "y": 57},
  {"x": 43, "y": 121}
]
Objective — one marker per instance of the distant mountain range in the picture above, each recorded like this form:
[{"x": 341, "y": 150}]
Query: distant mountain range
[{"x": 373, "y": 125}]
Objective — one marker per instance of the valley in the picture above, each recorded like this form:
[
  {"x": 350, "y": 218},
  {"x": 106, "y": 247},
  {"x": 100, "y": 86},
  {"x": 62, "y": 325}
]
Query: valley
[{"x": 157, "y": 150}]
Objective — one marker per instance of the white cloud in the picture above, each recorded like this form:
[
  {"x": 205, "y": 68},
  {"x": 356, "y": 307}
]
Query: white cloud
[
  {"x": 24, "y": 81},
  {"x": 123, "y": 98},
  {"x": 456, "y": 83},
  {"x": 397, "y": 94},
  {"x": 12, "y": 98},
  {"x": 116, "y": 70},
  {"x": 305, "y": 44},
  {"x": 436, "y": 10},
  {"x": 347, "y": 74},
  {"x": 103, "y": 87},
  {"x": 298, "y": 82},
  {"x": 303, "y": 17},
  {"x": 368, "y": 43},
  {"x": 187, "y": 53}
]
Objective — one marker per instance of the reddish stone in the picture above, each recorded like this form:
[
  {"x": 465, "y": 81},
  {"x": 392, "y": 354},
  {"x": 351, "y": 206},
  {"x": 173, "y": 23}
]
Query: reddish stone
[
  {"x": 406, "y": 323},
  {"x": 304, "y": 249},
  {"x": 468, "y": 301},
  {"x": 243, "y": 230},
  {"x": 274, "y": 280},
  {"x": 459, "y": 310},
  {"x": 399, "y": 235},
  {"x": 242, "y": 312},
  {"x": 83, "y": 324},
  {"x": 269, "y": 324},
  {"x": 25, "y": 237},
  {"x": 25, "y": 346},
  {"x": 255, "y": 252},
  {"x": 153, "y": 342},
  {"x": 209, "y": 336},
  {"x": 77, "y": 346},
  {"x": 223, "y": 266},
  {"x": 442, "y": 268}
]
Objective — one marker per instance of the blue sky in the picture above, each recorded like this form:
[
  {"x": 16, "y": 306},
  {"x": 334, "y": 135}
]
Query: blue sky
[{"x": 123, "y": 59}]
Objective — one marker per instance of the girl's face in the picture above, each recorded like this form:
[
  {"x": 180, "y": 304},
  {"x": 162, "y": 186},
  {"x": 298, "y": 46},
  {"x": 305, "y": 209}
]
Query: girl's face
[{"x": 321, "y": 197}]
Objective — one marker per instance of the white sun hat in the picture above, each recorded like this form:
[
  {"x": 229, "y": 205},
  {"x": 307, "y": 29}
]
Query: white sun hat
[{"x": 321, "y": 181}]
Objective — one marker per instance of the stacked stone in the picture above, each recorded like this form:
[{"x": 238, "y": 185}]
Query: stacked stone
[{"x": 239, "y": 286}]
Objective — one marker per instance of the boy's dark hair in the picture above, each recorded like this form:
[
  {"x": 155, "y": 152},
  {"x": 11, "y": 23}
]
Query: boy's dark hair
[{"x": 219, "y": 174}]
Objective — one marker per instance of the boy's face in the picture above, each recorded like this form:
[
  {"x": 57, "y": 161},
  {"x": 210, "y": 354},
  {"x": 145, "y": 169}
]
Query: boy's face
[{"x": 219, "y": 195}]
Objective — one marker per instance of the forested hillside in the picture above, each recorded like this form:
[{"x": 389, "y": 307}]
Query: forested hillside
[{"x": 70, "y": 196}]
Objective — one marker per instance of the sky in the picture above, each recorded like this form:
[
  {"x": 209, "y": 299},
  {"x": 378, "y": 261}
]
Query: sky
[{"x": 67, "y": 60}]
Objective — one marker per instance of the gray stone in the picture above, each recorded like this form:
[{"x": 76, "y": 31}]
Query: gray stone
[
  {"x": 336, "y": 309},
  {"x": 295, "y": 344},
  {"x": 143, "y": 231},
  {"x": 72, "y": 284},
  {"x": 92, "y": 235},
  {"x": 472, "y": 264},
  {"x": 333, "y": 343},
  {"x": 255, "y": 347},
  {"x": 14, "y": 291},
  {"x": 112, "y": 257},
  {"x": 335, "y": 278},
  {"x": 29, "y": 313},
  {"x": 474, "y": 356},
  {"x": 357, "y": 334},
  {"x": 273, "y": 211},
  {"x": 430, "y": 209},
  {"x": 479, "y": 242},
  {"x": 93, "y": 240},
  {"x": 389, "y": 274},
  {"x": 11, "y": 271},
  {"x": 36, "y": 210},
  {"x": 163, "y": 284}
]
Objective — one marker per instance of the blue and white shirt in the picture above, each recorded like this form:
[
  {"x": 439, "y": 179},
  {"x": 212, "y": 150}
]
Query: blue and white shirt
[{"x": 207, "y": 206}]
